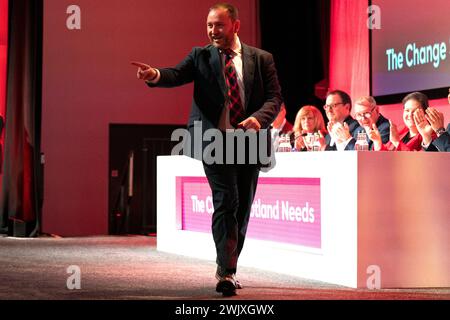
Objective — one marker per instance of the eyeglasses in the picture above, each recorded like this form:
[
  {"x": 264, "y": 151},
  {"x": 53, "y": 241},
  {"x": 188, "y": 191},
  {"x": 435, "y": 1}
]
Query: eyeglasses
[
  {"x": 366, "y": 115},
  {"x": 332, "y": 106}
]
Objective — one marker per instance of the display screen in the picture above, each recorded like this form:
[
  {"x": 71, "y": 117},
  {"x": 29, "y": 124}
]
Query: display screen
[{"x": 410, "y": 46}]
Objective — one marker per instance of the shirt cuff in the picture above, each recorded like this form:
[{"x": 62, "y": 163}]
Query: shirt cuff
[
  {"x": 341, "y": 146},
  {"x": 156, "y": 79},
  {"x": 425, "y": 146}
]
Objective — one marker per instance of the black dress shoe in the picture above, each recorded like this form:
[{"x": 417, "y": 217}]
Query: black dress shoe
[
  {"x": 220, "y": 272},
  {"x": 226, "y": 285},
  {"x": 238, "y": 284}
]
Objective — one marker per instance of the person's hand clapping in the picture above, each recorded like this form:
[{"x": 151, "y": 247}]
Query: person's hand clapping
[
  {"x": 341, "y": 132},
  {"x": 299, "y": 141},
  {"x": 375, "y": 136},
  {"x": 435, "y": 118},
  {"x": 322, "y": 141},
  {"x": 423, "y": 126},
  {"x": 330, "y": 129},
  {"x": 394, "y": 137}
]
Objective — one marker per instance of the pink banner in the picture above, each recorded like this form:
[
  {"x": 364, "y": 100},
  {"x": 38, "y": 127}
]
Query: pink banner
[{"x": 284, "y": 210}]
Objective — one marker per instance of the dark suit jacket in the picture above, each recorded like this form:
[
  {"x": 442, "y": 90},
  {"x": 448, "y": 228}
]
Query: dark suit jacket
[
  {"x": 203, "y": 66},
  {"x": 442, "y": 143},
  {"x": 352, "y": 125}
]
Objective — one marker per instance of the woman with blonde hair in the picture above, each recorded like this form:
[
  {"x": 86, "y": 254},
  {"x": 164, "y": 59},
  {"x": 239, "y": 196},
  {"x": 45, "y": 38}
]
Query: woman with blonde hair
[{"x": 308, "y": 121}]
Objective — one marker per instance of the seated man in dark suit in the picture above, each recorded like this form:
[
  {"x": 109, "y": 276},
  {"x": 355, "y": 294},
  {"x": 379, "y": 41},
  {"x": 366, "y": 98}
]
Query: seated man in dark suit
[
  {"x": 436, "y": 119},
  {"x": 442, "y": 142},
  {"x": 337, "y": 107},
  {"x": 370, "y": 120},
  {"x": 433, "y": 121}
]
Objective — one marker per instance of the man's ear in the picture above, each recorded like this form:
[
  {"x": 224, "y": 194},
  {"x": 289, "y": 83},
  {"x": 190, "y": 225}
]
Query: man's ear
[
  {"x": 349, "y": 107},
  {"x": 236, "y": 26}
]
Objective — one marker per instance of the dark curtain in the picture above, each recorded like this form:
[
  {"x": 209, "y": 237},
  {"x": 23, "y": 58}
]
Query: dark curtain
[
  {"x": 298, "y": 37},
  {"x": 19, "y": 206}
]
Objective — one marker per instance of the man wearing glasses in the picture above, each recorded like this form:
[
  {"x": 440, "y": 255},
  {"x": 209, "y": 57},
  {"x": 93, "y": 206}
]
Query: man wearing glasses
[
  {"x": 337, "y": 108},
  {"x": 370, "y": 120}
]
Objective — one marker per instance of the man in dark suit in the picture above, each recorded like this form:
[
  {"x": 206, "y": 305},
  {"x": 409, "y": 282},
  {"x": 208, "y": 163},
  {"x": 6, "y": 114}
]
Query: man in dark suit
[
  {"x": 433, "y": 121},
  {"x": 436, "y": 120},
  {"x": 338, "y": 106},
  {"x": 235, "y": 86},
  {"x": 371, "y": 121},
  {"x": 442, "y": 142}
]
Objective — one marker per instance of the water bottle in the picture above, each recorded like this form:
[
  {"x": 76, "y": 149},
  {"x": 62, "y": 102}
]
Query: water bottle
[
  {"x": 316, "y": 143},
  {"x": 287, "y": 143},
  {"x": 361, "y": 142},
  {"x": 281, "y": 143}
]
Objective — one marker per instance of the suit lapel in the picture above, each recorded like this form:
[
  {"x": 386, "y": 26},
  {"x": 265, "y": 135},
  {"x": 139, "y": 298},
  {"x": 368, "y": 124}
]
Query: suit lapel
[
  {"x": 248, "y": 66},
  {"x": 216, "y": 65}
]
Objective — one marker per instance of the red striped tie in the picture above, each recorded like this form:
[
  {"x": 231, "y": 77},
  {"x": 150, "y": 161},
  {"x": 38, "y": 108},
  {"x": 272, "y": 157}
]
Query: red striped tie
[{"x": 235, "y": 103}]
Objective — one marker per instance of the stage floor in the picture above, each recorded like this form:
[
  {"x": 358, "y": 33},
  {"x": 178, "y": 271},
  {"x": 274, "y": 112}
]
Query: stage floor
[{"x": 130, "y": 268}]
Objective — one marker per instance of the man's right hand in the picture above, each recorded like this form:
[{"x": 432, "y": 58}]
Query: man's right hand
[
  {"x": 145, "y": 72},
  {"x": 423, "y": 126},
  {"x": 393, "y": 134},
  {"x": 375, "y": 136},
  {"x": 435, "y": 118},
  {"x": 341, "y": 132}
]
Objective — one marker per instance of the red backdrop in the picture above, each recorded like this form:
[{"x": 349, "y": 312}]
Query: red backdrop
[
  {"x": 3, "y": 66},
  {"x": 3, "y": 54},
  {"x": 88, "y": 83}
]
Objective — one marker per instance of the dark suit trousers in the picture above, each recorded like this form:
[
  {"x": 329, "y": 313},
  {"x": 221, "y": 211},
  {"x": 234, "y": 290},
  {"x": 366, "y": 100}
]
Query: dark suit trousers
[{"x": 233, "y": 189}]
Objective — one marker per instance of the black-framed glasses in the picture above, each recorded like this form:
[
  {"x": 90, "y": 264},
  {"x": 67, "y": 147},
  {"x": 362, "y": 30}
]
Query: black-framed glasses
[
  {"x": 332, "y": 106},
  {"x": 366, "y": 115}
]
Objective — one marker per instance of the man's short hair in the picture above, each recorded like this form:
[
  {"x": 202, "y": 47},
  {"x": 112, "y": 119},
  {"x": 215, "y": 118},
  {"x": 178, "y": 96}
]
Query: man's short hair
[
  {"x": 366, "y": 99},
  {"x": 343, "y": 95},
  {"x": 232, "y": 10}
]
